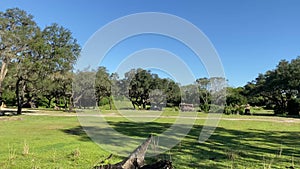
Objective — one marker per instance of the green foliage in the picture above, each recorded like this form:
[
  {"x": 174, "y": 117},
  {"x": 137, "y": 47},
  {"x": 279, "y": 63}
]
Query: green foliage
[
  {"x": 234, "y": 96},
  {"x": 146, "y": 88},
  {"x": 205, "y": 107},
  {"x": 211, "y": 93},
  {"x": 103, "y": 86},
  {"x": 140, "y": 88},
  {"x": 277, "y": 88},
  {"x": 37, "y": 62},
  {"x": 204, "y": 93},
  {"x": 236, "y": 109}
]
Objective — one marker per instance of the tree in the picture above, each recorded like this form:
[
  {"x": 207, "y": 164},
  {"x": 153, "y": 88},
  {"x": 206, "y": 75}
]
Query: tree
[
  {"x": 211, "y": 91},
  {"x": 56, "y": 86},
  {"x": 30, "y": 55},
  {"x": 234, "y": 96},
  {"x": 103, "y": 85},
  {"x": 18, "y": 37},
  {"x": 84, "y": 94},
  {"x": 13, "y": 23},
  {"x": 173, "y": 92},
  {"x": 204, "y": 93},
  {"x": 251, "y": 95},
  {"x": 140, "y": 87},
  {"x": 279, "y": 86},
  {"x": 235, "y": 100},
  {"x": 62, "y": 51}
]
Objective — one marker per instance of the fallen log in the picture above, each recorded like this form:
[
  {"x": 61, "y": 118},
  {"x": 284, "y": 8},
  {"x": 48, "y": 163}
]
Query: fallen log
[
  {"x": 136, "y": 160},
  {"x": 163, "y": 164}
]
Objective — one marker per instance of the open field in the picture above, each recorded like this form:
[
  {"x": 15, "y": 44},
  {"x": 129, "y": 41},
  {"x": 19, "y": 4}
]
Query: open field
[{"x": 50, "y": 139}]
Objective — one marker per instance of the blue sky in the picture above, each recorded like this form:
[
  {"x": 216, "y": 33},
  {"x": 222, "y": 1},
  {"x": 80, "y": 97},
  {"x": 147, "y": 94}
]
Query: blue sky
[{"x": 250, "y": 36}]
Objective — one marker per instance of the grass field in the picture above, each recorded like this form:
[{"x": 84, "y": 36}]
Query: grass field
[{"x": 49, "y": 139}]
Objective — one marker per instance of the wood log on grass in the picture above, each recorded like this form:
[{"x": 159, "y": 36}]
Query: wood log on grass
[{"x": 136, "y": 160}]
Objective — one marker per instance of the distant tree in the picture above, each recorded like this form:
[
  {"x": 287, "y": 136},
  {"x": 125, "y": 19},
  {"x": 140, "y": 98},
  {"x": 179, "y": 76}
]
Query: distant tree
[
  {"x": 204, "y": 93},
  {"x": 115, "y": 86},
  {"x": 211, "y": 91},
  {"x": 103, "y": 85},
  {"x": 140, "y": 87},
  {"x": 143, "y": 88},
  {"x": 190, "y": 94},
  {"x": 173, "y": 92},
  {"x": 84, "y": 93}
]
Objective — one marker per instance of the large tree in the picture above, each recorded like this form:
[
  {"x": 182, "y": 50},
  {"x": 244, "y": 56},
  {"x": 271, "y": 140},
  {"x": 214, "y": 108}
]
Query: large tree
[
  {"x": 279, "y": 87},
  {"x": 30, "y": 55},
  {"x": 19, "y": 36},
  {"x": 17, "y": 32},
  {"x": 62, "y": 51}
]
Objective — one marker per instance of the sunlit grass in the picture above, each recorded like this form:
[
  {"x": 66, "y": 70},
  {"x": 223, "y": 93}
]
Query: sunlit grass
[{"x": 59, "y": 142}]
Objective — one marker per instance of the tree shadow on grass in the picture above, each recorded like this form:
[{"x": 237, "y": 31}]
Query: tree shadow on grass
[
  {"x": 224, "y": 147},
  {"x": 77, "y": 131},
  {"x": 274, "y": 115}
]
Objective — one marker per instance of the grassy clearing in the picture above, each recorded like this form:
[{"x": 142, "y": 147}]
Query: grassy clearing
[{"x": 59, "y": 142}]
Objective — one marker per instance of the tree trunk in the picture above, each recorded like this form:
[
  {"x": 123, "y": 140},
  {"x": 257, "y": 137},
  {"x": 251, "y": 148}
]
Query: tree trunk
[
  {"x": 144, "y": 105},
  {"x": 133, "y": 104},
  {"x": 1, "y": 99},
  {"x": 135, "y": 159},
  {"x": 71, "y": 105},
  {"x": 19, "y": 100},
  {"x": 3, "y": 73},
  {"x": 66, "y": 104},
  {"x": 110, "y": 103},
  {"x": 49, "y": 103}
]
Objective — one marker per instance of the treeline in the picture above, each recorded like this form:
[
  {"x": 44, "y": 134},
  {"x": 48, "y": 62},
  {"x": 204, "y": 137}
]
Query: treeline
[
  {"x": 37, "y": 71},
  {"x": 276, "y": 89},
  {"x": 143, "y": 89}
]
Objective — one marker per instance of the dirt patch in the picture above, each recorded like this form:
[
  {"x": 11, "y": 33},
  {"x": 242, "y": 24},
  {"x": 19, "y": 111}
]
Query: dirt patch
[
  {"x": 10, "y": 118},
  {"x": 266, "y": 119}
]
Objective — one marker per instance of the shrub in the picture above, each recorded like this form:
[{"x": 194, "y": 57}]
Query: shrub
[{"x": 216, "y": 108}]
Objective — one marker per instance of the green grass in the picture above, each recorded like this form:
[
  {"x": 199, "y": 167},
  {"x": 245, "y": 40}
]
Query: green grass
[{"x": 59, "y": 142}]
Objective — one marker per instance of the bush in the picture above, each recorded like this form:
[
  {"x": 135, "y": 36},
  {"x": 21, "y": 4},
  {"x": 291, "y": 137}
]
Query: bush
[
  {"x": 204, "y": 107},
  {"x": 216, "y": 108},
  {"x": 103, "y": 101},
  {"x": 228, "y": 110},
  {"x": 233, "y": 109}
]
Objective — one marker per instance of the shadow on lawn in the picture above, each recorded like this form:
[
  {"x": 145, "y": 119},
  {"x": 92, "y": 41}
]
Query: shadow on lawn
[
  {"x": 250, "y": 146},
  {"x": 274, "y": 115}
]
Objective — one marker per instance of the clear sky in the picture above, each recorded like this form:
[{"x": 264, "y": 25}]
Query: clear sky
[{"x": 250, "y": 36}]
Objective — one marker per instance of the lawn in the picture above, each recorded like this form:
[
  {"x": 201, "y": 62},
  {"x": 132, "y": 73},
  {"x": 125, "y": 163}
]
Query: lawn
[{"x": 49, "y": 140}]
